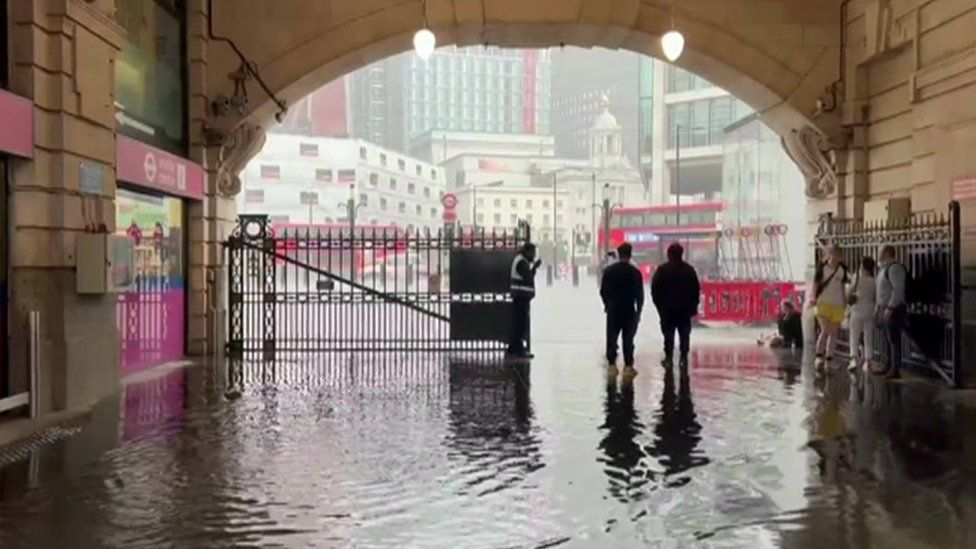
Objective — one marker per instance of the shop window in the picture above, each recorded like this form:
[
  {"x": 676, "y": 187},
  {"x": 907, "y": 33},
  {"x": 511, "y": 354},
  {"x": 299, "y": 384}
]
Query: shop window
[
  {"x": 155, "y": 225},
  {"x": 150, "y": 73}
]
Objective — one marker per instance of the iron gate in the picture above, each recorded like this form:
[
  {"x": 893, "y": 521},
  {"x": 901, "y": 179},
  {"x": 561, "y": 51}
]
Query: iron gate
[
  {"x": 299, "y": 289},
  {"x": 929, "y": 246}
]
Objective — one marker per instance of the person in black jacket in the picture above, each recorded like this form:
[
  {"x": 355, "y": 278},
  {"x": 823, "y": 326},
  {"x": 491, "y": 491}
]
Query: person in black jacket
[
  {"x": 676, "y": 294},
  {"x": 622, "y": 291}
]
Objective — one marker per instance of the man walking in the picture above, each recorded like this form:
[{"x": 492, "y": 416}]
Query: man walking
[
  {"x": 676, "y": 294},
  {"x": 622, "y": 291},
  {"x": 892, "y": 309},
  {"x": 522, "y": 286}
]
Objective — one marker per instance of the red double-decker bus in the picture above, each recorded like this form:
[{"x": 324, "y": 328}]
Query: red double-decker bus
[{"x": 650, "y": 230}]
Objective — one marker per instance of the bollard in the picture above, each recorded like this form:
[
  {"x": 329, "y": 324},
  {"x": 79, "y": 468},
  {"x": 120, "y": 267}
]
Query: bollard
[
  {"x": 549, "y": 275},
  {"x": 575, "y": 275}
]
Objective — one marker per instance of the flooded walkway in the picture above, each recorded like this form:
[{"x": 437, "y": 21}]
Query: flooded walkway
[{"x": 745, "y": 449}]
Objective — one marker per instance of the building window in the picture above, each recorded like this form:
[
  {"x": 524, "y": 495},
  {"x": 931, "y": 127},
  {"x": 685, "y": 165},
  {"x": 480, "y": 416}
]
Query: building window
[
  {"x": 252, "y": 196},
  {"x": 323, "y": 175},
  {"x": 362, "y": 153},
  {"x": 411, "y": 188},
  {"x": 383, "y": 159},
  {"x": 498, "y": 219},
  {"x": 546, "y": 219},
  {"x": 529, "y": 218},
  {"x": 498, "y": 202},
  {"x": 433, "y": 174},
  {"x": 528, "y": 203},
  {"x": 545, "y": 203},
  {"x": 402, "y": 207},
  {"x": 150, "y": 72},
  {"x": 481, "y": 202},
  {"x": 481, "y": 218},
  {"x": 393, "y": 184},
  {"x": 363, "y": 199},
  {"x": 514, "y": 203},
  {"x": 347, "y": 176},
  {"x": 308, "y": 149},
  {"x": 402, "y": 164},
  {"x": 419, "y": 170},
  {"x": 270, "y": 171},
  {"x": 374, "y": 179},
  {"x": 426, "y": 192},
  {"x": 433, "y": 213},
  {"x": 383, "y": 203},
  {"x": 559, "y": 203},
  {"x": 420, "y": 210},
  {"x": 513, "y": 219}
]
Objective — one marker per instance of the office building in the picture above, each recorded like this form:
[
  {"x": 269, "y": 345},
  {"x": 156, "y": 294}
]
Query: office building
[{"x": 308, "y": 180}]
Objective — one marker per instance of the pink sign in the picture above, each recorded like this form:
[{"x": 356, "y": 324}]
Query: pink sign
[
  {"x": 964, "y": 189},
  {"x": 152, "y": 168},
  {"x": 17, "y": 127}
]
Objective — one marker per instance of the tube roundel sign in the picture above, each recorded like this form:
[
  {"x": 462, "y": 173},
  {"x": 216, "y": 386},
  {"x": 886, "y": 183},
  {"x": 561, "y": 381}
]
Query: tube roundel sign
[{"x": 449, "y": 201}]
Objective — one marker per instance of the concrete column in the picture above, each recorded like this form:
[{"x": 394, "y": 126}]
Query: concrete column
[{"x": 62, "y": 56}]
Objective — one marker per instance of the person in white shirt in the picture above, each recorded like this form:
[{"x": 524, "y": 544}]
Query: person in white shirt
[{"x": 861, "y": 296}]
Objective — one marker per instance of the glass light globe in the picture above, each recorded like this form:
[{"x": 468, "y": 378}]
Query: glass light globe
[
  {"x": 673, "y": 43},
  {"x": 424, "y": 43}
]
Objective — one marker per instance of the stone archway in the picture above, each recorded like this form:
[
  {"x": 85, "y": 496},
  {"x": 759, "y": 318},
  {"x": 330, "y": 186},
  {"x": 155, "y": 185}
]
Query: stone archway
[{"x": 779, "y": 56}]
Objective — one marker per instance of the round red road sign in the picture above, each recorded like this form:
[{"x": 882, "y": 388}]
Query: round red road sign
[
  {"x": 450, "y": 216},
  {"x": 449, "y": 200}
]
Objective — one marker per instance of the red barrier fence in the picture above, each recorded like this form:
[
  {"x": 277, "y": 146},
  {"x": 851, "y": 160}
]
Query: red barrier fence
[{"x": 746, "y": 302}]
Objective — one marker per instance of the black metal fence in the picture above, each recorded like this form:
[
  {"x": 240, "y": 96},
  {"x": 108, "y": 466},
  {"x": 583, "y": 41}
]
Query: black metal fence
[
  {"x": 308, "y": 289},
  {"x": 929, "y": 246}
]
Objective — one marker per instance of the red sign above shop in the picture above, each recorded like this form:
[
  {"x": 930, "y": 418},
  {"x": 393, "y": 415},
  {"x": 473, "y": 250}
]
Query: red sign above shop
[
  {"x": 16, "y": 125},
  {"x": 159, "y": 170}
]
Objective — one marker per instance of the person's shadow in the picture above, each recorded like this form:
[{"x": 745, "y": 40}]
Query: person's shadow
[
  {"x": 622, "y": 456},
  {"x": 677, "y": 433}
]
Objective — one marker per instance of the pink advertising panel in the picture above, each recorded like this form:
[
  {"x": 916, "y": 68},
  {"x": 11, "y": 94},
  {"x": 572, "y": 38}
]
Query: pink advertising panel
[
  {"x": 16, "y": 125},
  {"x": 152, "y": 168}
]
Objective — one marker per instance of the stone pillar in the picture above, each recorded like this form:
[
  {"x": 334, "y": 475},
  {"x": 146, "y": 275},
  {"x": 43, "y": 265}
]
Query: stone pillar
[
  {"x": 223, "y": 153},
  {"x": 62, "y": 56}
]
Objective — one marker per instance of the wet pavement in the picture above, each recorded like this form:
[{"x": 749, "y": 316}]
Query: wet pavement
[{"x": 744, "y": 449}]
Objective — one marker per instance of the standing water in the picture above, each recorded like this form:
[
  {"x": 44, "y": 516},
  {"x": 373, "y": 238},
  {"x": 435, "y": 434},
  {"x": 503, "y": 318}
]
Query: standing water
[{"x": 744, "y": 449}]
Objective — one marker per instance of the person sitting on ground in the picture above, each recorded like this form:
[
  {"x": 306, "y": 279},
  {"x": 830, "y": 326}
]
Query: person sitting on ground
[{"x": 789, "y": 328}]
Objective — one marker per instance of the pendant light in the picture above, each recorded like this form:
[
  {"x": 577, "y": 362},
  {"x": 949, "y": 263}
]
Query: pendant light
[{"x": 424, "y": 40}]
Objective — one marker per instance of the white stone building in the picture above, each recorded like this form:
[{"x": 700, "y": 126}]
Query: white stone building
[
  {"x": 555, "y": 195},
  {"x": 308, "y": 180}
]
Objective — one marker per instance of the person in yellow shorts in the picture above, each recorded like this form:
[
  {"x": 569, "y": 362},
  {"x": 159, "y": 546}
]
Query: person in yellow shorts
[{"x": 830, "y": 300}]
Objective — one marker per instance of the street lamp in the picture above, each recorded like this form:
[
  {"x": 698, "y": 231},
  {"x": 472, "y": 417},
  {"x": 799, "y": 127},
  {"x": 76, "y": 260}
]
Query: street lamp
[
  {"x": 677, "y": 166},
  {"x": 351, "y": 208},
  {"x": 607, "y": 208},
  {"x": 474, "y": 200}
]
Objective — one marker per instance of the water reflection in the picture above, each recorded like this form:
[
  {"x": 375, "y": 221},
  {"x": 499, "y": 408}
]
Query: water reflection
[
  {"x": 622, "y": 455},
  {"x": 677, "y": 432}
]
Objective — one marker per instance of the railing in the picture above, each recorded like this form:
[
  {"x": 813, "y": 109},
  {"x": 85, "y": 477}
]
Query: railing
[
  {"x": 308, "y": 289},
  {"x": 929, "y": 247}
]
